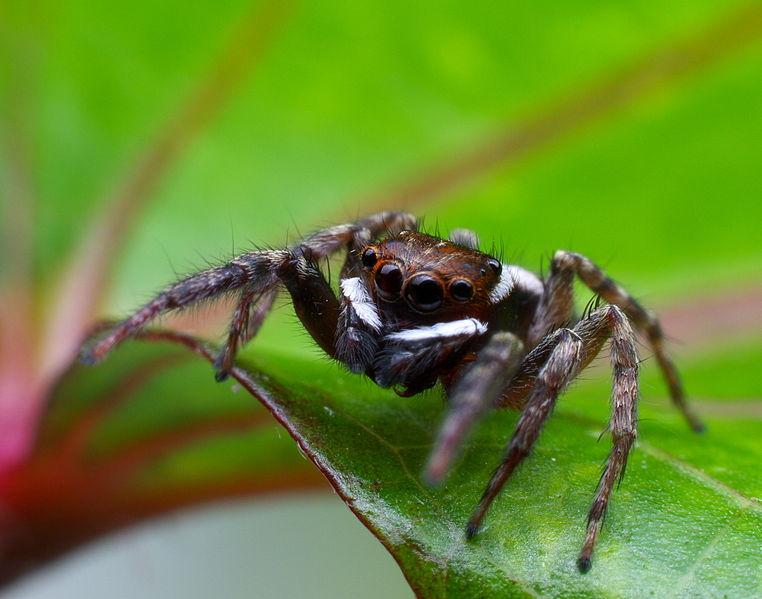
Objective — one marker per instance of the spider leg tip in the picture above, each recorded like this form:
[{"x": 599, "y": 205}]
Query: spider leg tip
[
  {"x": 698, "y": 427},
  {"x": 87, "y": 358},
  {"x": 472, "y": 528},
  {"x": 221, "y": 375},
  {"x": 435, "y": 472},
  {"x": 89, "y": 355},
  {"x": 583, "y": 564},
  {"x": 431, "y": 478}
]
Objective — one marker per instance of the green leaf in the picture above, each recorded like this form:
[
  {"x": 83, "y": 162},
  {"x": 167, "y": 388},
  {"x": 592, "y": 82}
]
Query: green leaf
[{"x": 686, "y": 521}]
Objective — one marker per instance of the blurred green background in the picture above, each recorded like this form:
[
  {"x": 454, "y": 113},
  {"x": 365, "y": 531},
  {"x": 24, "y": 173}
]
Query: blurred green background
[{"x": 332, "y": 109}]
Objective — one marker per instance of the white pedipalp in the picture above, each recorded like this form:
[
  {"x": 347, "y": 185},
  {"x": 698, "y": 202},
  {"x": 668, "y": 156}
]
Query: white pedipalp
[
  {"x": 526, "y": 279},
  {"x": 515, "y": 276},
  {"x": 504, "y": 286},
  {"x": 467, "y": 327},
  {"x": 357, "y": 294}
]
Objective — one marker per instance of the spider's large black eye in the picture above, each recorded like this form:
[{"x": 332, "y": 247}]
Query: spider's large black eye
[
  {"x": 461, "y": 290},
  {"x": 424, "y": 293},
  {"x": 389, "y": 280},
  {"x": 369, "y": 258},
  {"x": 495, "y": 265}
]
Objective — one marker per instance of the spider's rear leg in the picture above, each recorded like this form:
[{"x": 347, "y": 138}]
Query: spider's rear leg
[
  {"x": 473, "y": 393},
  {"x": 573, "y": 351},
  {"x": 556, "y": 307}
]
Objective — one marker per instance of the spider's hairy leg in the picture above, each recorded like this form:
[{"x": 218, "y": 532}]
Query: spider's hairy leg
[
  {"x": 605, "y": 322},
  {"x": 515, "y": 393},
  {"x": 559, "y": 370},
  {"x": 257, "y": 274},
  {"x": 314, "y": 301},
  {"x": 558, "y": 299},
  {"x": 250, "y": 313},
  {"x": 473, "y": 393},
  {"x": 256, "y": 270},
  {"x": 572, "y": 351}
]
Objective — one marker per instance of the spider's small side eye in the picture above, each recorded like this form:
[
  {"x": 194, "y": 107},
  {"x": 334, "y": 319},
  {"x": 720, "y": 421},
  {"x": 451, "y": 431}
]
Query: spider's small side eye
[
  {"x": 461, "y": 290},
  {"x": 424, "y": 293},
  {"x": 389, "y": 281},
  {"x": 369, "y": 258},
  {"x": 495, "y": 265}
]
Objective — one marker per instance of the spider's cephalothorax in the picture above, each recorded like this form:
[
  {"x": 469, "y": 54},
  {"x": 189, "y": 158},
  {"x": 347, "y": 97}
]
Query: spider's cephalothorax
[{"x": 413, "y": 309}]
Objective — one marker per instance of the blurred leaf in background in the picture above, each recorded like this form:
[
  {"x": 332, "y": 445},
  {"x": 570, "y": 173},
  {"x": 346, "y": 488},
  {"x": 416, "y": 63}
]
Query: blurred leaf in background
[{"x": 141, "y": 140}]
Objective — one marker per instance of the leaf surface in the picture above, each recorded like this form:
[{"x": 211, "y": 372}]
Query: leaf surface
[{"x": 687, "y": 519}]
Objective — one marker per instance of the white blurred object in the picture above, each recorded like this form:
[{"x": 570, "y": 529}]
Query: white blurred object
[{"x": 284, "y": 547}]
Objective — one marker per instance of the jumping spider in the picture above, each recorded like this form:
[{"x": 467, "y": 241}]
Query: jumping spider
[{"x": 415, "y": 309}]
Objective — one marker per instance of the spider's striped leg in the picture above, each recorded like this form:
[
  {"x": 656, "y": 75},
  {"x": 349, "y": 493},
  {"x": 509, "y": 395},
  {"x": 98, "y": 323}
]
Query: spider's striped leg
[
  {"x": 247, "y": 319},
  {"x": 559, "y": 370},
  {"x": 624, "y": 415},
  {"x": 556, "y": 305},
  {"x": 256, "y": 271},
  {"x": 472, "y": 394},
  {"x": 257, "y": 274},
  {"x": 573, "y": 350}
]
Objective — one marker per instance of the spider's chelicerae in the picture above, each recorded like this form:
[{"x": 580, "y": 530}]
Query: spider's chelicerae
[{"x": 414, "y": 309}]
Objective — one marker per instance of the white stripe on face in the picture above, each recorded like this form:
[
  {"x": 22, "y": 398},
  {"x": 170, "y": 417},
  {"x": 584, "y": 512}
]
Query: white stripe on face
[
  {"x": 504, "y": 286},
  {"x": 468, "y": 327},
  {"x": 515, "y": 276},
  {"x": 355, "y": 291},
  {"x": 526, "y": 279}
]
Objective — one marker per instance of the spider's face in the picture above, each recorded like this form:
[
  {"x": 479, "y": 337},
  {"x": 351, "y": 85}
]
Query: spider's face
[{"x": 415, "y": 275}]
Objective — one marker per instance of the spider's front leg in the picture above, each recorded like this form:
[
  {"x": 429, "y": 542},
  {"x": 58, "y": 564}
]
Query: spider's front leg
[
  {"x": 571, "y": 351},
  {"x": 256, "y": 276},
  {"x": 556, "y": 307},
  {"x": 475, "y": 391},
  {"x": 257, "y": 271}
]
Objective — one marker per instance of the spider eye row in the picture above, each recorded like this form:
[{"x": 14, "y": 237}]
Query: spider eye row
[{"x": 423, "y": 292}]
